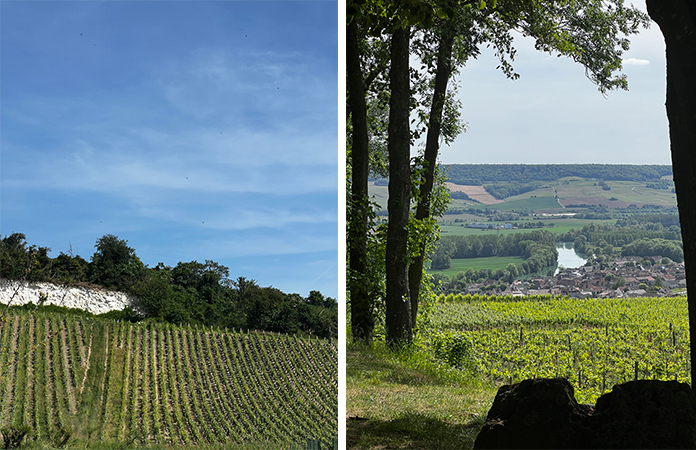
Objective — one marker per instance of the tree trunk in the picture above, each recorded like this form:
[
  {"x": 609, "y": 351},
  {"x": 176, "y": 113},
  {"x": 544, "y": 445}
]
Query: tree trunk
[
  {"x": 398, "y": 306},
  {"x": 677, "y": 20},
  {"x": 432, "y": 144},
  {"x": 362, "y": 321}
]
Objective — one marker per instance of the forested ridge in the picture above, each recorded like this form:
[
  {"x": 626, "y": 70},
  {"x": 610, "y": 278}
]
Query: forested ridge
[
  {"x": 189, "y": 293},
  {"x": 478, "y": 174}
]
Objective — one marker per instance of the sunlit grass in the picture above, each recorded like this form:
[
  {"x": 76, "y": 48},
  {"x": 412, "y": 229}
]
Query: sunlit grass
[{"x": 409, "y": 400}]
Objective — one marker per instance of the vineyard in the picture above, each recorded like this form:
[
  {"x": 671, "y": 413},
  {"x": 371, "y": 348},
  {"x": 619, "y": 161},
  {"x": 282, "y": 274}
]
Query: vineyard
[
  {"x": 595, "y": 343},
  {"x": 151, "y": 383}
]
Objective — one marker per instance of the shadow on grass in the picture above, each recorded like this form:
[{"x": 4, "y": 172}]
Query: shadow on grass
[
  {"x": 371, "y": 363},
  {"x": 411, "y": 430}
]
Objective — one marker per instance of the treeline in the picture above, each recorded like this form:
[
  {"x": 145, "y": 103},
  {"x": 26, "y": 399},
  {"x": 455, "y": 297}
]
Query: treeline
[
  {"x": 505, "y": 190},
  {"x": 640, "y": 220},
  {"x": 662, "y": 184},
  {"x": 627, "y": 238},
  {"x": 190, "y": 292},
  {"x": 480, "y": 174},
  {"x": 538, "y": 248}
]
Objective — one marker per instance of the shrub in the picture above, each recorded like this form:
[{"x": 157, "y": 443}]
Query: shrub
[{"x": 456, "y": 349}]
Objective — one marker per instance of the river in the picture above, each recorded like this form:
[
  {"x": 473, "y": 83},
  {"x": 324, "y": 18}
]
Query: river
[{"x": 567, "y": 256}]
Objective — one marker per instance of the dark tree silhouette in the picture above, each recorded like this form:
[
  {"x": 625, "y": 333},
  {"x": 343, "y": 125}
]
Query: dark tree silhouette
[{"x": 677, "y": 21}]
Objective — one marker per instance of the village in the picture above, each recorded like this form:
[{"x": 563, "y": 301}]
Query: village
[{"x": 624, "y": 277}]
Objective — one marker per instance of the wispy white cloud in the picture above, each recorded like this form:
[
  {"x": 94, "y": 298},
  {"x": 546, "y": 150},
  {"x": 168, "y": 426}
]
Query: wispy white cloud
[
  {"x": 636, "y": 62},
  {"x": 264, "y": 245},
  {"x": 242, "y": 84}
]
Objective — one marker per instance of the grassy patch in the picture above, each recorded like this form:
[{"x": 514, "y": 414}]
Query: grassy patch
[
  {"x": 529, "y": 203},
  {"x": 409, "y": 400},
  {"x": 491, "y": 262},
  {"x": 627, "y": 191}
]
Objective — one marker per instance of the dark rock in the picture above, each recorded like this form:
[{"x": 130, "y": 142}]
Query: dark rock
[
  {"x": 646, "y": 414},
  {"x": 539, "y": 413},
  {"x": 543, "y": 413}
]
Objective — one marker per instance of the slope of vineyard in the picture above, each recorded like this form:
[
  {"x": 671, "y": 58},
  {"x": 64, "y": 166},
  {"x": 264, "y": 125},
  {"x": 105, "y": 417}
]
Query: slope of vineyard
[
  {"x": 156, "y": 383},
  {"x": 595, "y": 343}
]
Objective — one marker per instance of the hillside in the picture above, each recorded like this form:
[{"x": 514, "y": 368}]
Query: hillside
[
  {"x": 551, "y": 188},
  {"x": 117, "y": 382},
  {"x": 567, "y": 194}
]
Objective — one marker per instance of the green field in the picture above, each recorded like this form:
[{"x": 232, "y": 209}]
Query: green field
[
  {"x": 527, "y": 203},
  {"x": 493, "y": 262},
  {"x": 630, "y": 192},
  {"x": 595, "y": 343},
  {"x": 560, "y": 226},
  {"x": 620, "y": 195},
  {"x": 114, "y": 384}
]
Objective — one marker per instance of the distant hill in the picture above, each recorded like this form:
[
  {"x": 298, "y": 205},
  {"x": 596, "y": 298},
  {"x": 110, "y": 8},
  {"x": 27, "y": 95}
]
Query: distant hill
[
  {"x": 478, "y": 174},
  {"x": 549, "y": 187}
]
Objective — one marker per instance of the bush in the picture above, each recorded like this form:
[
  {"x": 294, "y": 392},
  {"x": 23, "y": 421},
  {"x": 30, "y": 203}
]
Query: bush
[{"x": 456, "y": 349}]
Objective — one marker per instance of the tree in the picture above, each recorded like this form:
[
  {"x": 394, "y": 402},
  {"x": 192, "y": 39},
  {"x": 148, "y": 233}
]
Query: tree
[
  {"x": 590, "y": 32},
  {"x": 362, "y": 322},
  {"x": 677, "y": 21},
  {"x": 375, "y": 18},
  {"x": 114, "y": 264},
  {"x": 398, "y": 319}
]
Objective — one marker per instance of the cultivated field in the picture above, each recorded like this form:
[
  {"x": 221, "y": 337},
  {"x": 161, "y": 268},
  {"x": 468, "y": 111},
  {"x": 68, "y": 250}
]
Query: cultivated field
[
  {"x": 477, "y": 193},
  {"x": 595, "y": 343},
  {"x": 150, "y": 383}
]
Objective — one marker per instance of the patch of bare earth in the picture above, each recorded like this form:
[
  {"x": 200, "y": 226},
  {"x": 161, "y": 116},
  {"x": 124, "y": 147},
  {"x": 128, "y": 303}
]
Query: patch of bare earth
[
  {"x": 477, "y": 193},
  {"x": 595, "y": 201}
]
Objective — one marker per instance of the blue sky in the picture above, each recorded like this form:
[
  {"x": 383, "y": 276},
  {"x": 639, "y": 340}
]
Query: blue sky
[
  {"x": 554, "y": 114},
  {"x": 195, "y": 130}
]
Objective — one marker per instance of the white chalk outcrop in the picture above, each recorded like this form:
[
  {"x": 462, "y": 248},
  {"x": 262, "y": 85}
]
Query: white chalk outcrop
[{"x": 96, "y": 301}]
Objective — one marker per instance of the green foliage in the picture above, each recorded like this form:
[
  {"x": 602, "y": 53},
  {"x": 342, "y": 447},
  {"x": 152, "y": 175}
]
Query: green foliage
[
  {"x": 505, "y": 190},
  {"x": 115, "y": 264},
  {"x": 654, "y": 247},
  {"x": 191, "y": 292},
  {"x": 456, "y": 349},
  {"x": 128, "y": 314},
  {"x": 538, "y": 248},
  {"x": 595, "y": 343},
  {"x": 592, "y": 33},
  {"x": 629, "y": 237},
  {"x": 459, "y": 195},
  {"x": 70, "y": 269},
  {"x": 18, "y": 260}
]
